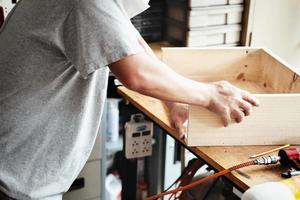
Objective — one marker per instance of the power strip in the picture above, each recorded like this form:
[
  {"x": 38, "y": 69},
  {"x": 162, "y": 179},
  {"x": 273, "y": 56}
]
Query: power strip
[
  {"x": 138, "y": 139},
  {"x": 7, "y": 5}
]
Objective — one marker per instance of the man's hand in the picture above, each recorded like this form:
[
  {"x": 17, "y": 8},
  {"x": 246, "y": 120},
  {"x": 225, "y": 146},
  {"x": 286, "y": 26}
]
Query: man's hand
[
  {"x": 230, "y": 102},
  {"x": 179, "y": 117},
  {"x": 226, "y": 100}
]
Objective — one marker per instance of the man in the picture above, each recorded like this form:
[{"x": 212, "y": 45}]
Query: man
[{"x": 53, "y": 67}]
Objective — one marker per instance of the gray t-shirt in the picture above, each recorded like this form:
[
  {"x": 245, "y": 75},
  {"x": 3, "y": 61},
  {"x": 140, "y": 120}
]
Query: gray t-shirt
[{"x": 53, "y": 79}]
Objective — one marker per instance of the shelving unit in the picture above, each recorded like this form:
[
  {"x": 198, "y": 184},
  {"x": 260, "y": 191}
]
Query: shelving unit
[{"x": 198, "y": 23}]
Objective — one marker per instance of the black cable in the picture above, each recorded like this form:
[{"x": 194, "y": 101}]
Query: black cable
[
  {"x": 211, "y": 188},
  {"x": 182, "y": 173},
  {"x": 172, "y": 196},
  {"x": 176, "y": 181}
]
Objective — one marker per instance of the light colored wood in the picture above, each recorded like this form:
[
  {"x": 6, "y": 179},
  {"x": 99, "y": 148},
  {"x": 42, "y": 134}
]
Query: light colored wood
[
  {"x": 218, "y": 157},
  {"x": 275, "y": 121},
  {"x": 278, "y": 74},
  {"x": 212, "y": 64},
  {"x": 156, "y": 48},
  {"x": 270, "y": 151},
  {"x": 252, "y": 86}
]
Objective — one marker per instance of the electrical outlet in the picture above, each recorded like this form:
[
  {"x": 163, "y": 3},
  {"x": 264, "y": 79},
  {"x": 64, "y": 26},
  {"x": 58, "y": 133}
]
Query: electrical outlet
[
  {"x": 7, "y": 5},
  {"x": 138, "y": 139}
]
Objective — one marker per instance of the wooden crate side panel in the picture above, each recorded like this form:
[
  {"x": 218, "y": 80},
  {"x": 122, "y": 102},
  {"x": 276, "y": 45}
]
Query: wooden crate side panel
[
  {"x": 214, "y": 64},
  {"x": 278, "y": 74},
  {"x": 254, "y": 87},
  {"x": 275, "y": 121}
]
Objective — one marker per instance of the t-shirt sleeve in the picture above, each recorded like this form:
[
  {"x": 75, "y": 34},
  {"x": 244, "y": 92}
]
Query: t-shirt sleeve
[{"x": 97, "y": 33}]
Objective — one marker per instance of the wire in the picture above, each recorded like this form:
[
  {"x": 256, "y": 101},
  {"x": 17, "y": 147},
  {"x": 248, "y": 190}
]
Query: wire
[
  {"x": 191, "y": 162},
  {"x": 171, "y": 196},
  {"x": 210, "y": 189},
  {"x": 261, "y": 161}
]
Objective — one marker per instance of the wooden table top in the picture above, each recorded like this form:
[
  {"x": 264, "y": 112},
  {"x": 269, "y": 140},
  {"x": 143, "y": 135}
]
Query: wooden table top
[{"x": 218, "y": 157}]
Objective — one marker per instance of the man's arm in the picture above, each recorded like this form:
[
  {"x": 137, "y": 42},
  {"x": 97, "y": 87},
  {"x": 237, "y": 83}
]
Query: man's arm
[
  {"x": 151, "y": 77},
  {"x": 178, "y": 111}
]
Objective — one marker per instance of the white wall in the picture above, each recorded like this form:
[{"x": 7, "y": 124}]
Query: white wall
[{"x": 275, "y": 24}]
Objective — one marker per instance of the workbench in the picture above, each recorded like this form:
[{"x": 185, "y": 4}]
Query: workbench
[{"x": 218, "y": 158}]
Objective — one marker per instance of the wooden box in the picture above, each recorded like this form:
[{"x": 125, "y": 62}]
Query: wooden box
[{"x": 274, "y": 82}]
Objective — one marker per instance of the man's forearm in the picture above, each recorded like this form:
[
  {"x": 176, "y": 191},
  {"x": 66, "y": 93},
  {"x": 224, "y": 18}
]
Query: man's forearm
[
  {"x": 169, "y": 102},
  {"x": 153, "y": 78},
  {"x": 162, "y": 82}
]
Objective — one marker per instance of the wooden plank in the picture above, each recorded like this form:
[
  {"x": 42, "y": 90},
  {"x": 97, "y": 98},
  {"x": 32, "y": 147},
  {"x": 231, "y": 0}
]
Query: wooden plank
[
  {"x": 275, "y": 121},
  {"x": 218, "y": 157}
]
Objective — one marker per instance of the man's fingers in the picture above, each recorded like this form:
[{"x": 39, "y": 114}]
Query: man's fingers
[
  {"x": 225, "y": 118},
  {"x": 184, "y": 129},
  {"x": 246, "y": 107},
  {"x": 181, "y": 128},
  {"x": 237, "y": 115},
  {"x": 250, "y": 98}
]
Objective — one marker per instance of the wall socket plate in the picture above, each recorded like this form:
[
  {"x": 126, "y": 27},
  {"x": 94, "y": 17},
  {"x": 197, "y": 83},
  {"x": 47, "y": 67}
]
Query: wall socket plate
[
  {"x": 7, "y": 5},
  {"x": 138, "y": 139}
]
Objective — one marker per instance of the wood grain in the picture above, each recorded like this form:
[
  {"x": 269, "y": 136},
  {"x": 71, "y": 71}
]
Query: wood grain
[
  {"x": 278, "y": 74},
  {"x": 275, "y": 121},
  {"x": 212, "y": 64}
]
